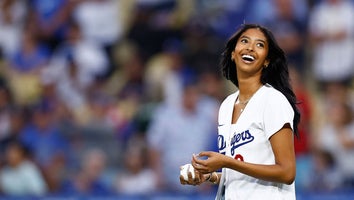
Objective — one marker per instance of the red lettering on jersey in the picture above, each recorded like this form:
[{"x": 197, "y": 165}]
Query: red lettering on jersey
[{"x": 239, "y": 157}]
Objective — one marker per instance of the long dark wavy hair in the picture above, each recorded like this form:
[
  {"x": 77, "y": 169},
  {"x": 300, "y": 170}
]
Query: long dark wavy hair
[{"x": 276, "y": 74}]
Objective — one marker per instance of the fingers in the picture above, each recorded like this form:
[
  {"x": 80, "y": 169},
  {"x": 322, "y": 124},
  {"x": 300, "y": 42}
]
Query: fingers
[
  {"x": 196, "y": 179},
  {"x": 201, "y": 168},
  {"x": 203, "y": 156},
  {"x": 201, "y": 162},
  {"x": 182, "y": 181},
  {"x": 191, "y": 181},
  {"x": 198, "y": 163},
  {"x": 197, "y": 160},
  {"x": 204, "y": 153}
]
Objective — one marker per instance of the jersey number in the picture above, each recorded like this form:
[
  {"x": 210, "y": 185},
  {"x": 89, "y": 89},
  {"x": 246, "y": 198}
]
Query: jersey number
[{"x": 239, "y": 157}]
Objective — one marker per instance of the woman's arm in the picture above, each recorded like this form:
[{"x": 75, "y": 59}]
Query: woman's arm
[{"x": 283, "y": 171}]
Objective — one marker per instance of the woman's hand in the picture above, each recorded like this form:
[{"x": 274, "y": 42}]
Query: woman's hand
[
  {"x": 212, "y": 163},
  {"x": 197, "y": 180}
]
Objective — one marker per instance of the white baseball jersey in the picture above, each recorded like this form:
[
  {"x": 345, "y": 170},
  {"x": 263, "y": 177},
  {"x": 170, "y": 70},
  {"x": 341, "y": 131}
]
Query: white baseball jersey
[{"x": 248, "y": 140}]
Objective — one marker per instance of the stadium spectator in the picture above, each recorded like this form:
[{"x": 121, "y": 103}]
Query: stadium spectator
[
  {"x": 336, "y": 136},
  {"x": 12, "y": 19},
  {"x": 45, "y": 140},
  {"x": 136, "y": 171},
  {"x": 17, "y": 121},
  {"x": 6, "y": 104},
  {"x": 20, "y": 176},
  {"x": 290, "y": 32},
  {"x": 95, "y": 20},
  {"x": 50, "y": 20},
  {"x": 23, "y": 69},
  {"x": 73, "y": 70},
  {"x": 191, "y": 129},
  {"x": 153, "y": 24},
  {"x": 88, "y": 180},
  {"x": 304, "y": 142},
  {"x": 323, "y": 174},
  {"x": 332, "y": 37}
]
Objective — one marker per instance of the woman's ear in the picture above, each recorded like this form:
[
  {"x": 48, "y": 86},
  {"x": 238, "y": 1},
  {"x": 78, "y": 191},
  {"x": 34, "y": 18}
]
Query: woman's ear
[
  {"x": 266, "y": 63},
  {"x": 233, "y": 55}
]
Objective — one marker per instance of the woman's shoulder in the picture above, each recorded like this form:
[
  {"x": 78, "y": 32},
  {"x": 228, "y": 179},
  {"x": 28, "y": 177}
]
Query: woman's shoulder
[{"x": 272, "y": 93}]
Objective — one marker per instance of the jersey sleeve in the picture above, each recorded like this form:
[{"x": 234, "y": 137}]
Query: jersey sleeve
[{"x": 277, "y": 113}]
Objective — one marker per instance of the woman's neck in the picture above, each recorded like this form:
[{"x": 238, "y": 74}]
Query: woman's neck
[{"x": 247, "y": 88}]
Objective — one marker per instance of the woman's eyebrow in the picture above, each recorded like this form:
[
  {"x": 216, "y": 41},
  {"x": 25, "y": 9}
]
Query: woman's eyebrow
[
  {"x": 244, "y": 36},
  {"x": 260, "y": 40}
]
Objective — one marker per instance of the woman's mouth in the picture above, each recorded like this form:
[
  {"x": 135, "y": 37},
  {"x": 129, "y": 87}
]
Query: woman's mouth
[{"x": 248, "y": 58}]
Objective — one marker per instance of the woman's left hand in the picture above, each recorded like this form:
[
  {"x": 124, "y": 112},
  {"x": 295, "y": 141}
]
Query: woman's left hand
[{"x": 212, "y": 163}]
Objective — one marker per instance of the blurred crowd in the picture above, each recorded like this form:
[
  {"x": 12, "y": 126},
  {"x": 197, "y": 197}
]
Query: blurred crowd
[{"x": 111, "y": 97}]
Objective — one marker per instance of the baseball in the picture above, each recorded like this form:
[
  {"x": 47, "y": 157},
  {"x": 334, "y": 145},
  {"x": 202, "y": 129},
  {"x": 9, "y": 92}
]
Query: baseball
[{"x": 185, "y": 169}]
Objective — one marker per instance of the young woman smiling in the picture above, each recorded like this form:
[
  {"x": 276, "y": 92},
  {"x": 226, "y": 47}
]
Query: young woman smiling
[{"x": 257, "y": 123}]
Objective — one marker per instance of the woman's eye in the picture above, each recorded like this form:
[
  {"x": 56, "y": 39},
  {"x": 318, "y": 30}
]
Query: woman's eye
[
  {"x": 243, "y": 41},
  {"x": 260, "y": 45}
]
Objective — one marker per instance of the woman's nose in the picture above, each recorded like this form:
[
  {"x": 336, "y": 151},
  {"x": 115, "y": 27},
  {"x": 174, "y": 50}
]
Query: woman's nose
[{"x": 249, "y": 47}]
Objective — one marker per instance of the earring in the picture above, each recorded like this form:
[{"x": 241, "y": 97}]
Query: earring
[{"x": 265, "y": 66}]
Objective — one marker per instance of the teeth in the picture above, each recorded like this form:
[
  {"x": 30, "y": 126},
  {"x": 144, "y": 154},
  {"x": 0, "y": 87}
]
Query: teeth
[{"x": 248, "y": 57}]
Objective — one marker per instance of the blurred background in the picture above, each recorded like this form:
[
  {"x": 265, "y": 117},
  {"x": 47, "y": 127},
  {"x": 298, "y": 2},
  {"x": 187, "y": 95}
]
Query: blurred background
[{"x": 108, "y": 98}]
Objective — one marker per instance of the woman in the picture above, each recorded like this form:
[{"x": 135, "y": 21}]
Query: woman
[{"x": 256, "y": 123}]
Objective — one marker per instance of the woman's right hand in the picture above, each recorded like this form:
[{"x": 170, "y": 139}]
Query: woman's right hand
[{"x": 198, "y": 179}]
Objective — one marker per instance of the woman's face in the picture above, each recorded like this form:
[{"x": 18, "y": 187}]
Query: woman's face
[{"x": 251, "y": 51}]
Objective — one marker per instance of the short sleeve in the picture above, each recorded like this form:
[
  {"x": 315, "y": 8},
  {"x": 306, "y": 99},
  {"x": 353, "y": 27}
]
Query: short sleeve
[{"x": 277, "y": 113}]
